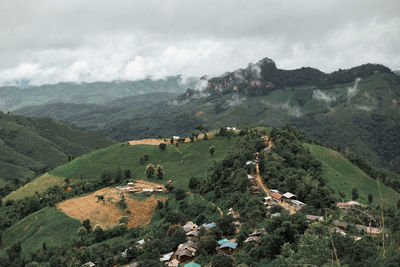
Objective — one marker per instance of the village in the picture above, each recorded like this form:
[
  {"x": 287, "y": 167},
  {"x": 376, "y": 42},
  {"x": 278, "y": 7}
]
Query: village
[{"x": 186, "y": 252}]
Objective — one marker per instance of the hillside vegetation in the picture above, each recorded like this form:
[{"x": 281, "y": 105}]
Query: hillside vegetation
[
  {"x": 179, "y": 163},
  {"x": 29, "y": 146},
  {"x": 342, "y": 176},
  {"x": 48, "y": 225},
  {"x": 355, "y": 109}
]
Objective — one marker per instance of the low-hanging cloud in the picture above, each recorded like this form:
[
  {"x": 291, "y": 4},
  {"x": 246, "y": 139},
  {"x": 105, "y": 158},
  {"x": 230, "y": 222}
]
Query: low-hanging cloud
[
  {"x": 319, "y": 95},
  {"x": 76, "y": 40},
  {"x": 291, "y": 110},
  {"x": 353, "y": 90},
  {"x": 234, "y": 101}
]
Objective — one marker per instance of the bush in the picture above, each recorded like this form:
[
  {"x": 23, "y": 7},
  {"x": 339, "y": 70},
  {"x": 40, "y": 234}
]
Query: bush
[{"x": 180, "y": 194}]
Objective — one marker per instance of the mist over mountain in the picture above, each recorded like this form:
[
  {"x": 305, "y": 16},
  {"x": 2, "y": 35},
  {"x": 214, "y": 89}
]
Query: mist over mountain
[{"x": 12, "y": 97}]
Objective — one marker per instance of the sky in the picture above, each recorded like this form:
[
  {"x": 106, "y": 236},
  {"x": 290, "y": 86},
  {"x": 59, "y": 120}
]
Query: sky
[{"x": 50, "y": 41}]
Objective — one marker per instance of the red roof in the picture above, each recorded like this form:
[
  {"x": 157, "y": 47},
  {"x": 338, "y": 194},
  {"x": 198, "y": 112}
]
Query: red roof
[{"x": 276, "y": 195}]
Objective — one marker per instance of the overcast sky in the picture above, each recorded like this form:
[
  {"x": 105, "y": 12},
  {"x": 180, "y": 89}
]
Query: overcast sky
[{"x": 48, "y": 41}]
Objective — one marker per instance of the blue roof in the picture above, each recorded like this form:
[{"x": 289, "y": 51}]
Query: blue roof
[
  {"x": 229, "y": 244},
  {"x": 222, "y": 241},
  {"x": 192, "y": 264},
  {"x": 210, "y": 225}
]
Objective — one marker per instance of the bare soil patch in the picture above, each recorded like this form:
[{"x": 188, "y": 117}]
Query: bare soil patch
[
  {"x": 156, "y": 142},
  {"x": 108, "y": 213}
]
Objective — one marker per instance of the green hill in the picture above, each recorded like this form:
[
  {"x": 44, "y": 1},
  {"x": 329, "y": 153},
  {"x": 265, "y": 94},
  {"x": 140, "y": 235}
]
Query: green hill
[
  {"x": 48, "y": 225},
  {"x": 180, "y": 164},
  {"x": 30, "y": 145},
  {"x": 343, "y": 176}
]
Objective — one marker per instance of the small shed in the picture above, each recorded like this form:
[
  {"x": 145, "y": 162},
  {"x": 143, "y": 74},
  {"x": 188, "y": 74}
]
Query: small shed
[
  {"x": 208, "y": 226},
  {"x": 166, "y": 257},
  {"x": 289, "y": 195},
  {"x": 276, "y": 196},
  {"x": 189, "y": 226},
  {"x": 228, "y": 247}
]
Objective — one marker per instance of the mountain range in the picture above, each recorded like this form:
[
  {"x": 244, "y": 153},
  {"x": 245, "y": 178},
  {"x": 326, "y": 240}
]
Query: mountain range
[{"x": 352, "y": 109}]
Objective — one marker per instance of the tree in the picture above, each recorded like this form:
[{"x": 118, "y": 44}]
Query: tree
[
  {"x": 86, "y": 224},
  {"x": 123, "y": 219},
  {"x": 150, "y": 171},
  {"x": 179, "y": 236},
  {"x": 14, "y": 251},
  {"x": 122, "y": 203},
  {"x": 212, "y": 150},
  {"x": 162, "y": 146},
  {"x": 100, "y": 198},
  {"x": 205, "y": 136},
  {"x": 69, "y": 158},
  {"x": 370, "y": 198},
  {"x": 118, "y": 176},
  {"x": 354, "y": 193},
  {"x": 221, "y": 260},
  {"x": 82, "y": 231},
  {"x": 226, "y": 225},
  {"x": 180, "y": 194},
  {"x": 127, "y": 174},
  {"x": 146, "y": 157},
  {"x": 160, "y": 172},
  {"x": 193, "y": 183},
  {"x": 207, "y": 245},
  {"x": 98, "y": 233}
]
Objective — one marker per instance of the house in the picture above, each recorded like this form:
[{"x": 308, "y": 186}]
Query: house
[
  {"x": 253, "y": 239},
  {"x": 176, "y": 138},
  {"x": 222, "y": 241},
  {"x": 130, "y": 184},
  {"x": 189, "y": 226},
  {"x": 346, "y": 205},
  {"x": 258, "y": 232},
  {"x": 250, "y": 162},
  {"x": 140, "y": 244},
  {"x": 288, "y": 196},
  {"x": 235, "y": 214},
  {"x": 277, "y": 214},
  {"x": 267, "y": 199},
  {"x": 173, "y": 263},
  {"x": 341, "y": 225},
  {"x": 314, "y": 218},
  {"x": 249, "y": 176},
  {"x": 274, "y": 191},
  {"x": 276, "y": 196},
  {"x": 208, "y": 226},
  {"x": 89, "y": 264},
  {"x": 166, "y": 257},
  {"x": 228, "y": 247},
  {"x": 192, "y": 235},
  {"x": 368, "y": 229},
  {"x": 297, "y": 204},
  {"x": 185, "y": 251}
]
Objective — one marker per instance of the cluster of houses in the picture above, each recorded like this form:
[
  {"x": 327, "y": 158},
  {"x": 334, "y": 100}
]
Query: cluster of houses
[
  {"x": 187, "y": 251},
  {"x": 131, "y": 188},
  {"x": 287, "y": 200}
]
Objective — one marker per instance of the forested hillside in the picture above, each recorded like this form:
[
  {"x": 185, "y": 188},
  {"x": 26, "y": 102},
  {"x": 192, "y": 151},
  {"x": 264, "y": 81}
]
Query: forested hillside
[
  {"x": 355, "y": 110},
  {"x": 211, "y": 191},
  {"x": 30, "y": 146}
]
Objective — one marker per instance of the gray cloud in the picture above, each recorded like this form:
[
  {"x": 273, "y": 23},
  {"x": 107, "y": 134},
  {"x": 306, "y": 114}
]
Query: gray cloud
[{"x": 47, "y": 41}]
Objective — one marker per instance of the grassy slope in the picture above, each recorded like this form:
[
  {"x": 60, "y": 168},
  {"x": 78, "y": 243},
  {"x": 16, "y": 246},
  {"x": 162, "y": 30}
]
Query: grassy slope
[
  {"x": 28, "y": 144},
  {"x": 46, "y": 225},
  {"x": 180, "y": 164},
  {"x": 342, "y": 176},
  {"x": 40, "y": 185}
]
